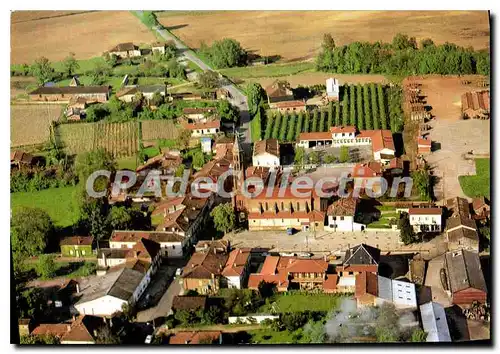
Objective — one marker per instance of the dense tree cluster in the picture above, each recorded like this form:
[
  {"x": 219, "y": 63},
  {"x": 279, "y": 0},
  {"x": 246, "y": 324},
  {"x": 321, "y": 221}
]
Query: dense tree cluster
[
  {"x": 225, "y": 53},
  {"x": 401, "y": 57}
]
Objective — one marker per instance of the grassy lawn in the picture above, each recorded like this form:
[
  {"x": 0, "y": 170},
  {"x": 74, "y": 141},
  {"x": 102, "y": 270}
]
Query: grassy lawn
[
  {"x": 297, "y": 302},
  {"x": 59, "y": 203},
  {"x": 271, "y": 70},
  {"x": 193, "y": 66},
  {"x": 127, "y": 163},
  {"x": 68, "y": 269},
  {"x": 478, "y": 185},
  {"x": 151, "y": 151},
  {"x": 267, "y": 336}
]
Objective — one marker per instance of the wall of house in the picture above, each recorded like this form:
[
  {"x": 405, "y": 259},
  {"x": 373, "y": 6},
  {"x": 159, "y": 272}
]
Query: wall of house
[
  {"x": 276, "y": 224},
  {"x": 233, "y": 282},
  {"x": 172, "y": 249},
  {"x": 467, "y": 296},
  {"x": 404, "y": 294},
  {"x": 76, "y": 250},
  {"x": 366, "y": 300},
  {"x": 98, "y": 97},
  {"x": 266, "y": 160},
  {"x": 292, "y": 109},
  {"x": 426, "y": 223},
  {"x": 119, "y": 244},
  {"x": 377, "y": 155},
  {"x": 202, "y": 286},
  {"x": 201, "y": 132},
  {"x": 103, "y": 306},
  {"x": 348, "y": 140},
  {"x": 295, "y": 205},
  {"x": 343, "y": 223},
  {"x": 110, "y": 262}
]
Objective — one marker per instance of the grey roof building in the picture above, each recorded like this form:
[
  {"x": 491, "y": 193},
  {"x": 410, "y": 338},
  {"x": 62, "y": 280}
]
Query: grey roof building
[{"x": 434, "y": 322}]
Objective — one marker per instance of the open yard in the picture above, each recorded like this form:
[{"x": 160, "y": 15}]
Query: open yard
[
  {"x": 297, "y": 35},
  {"x": 30, "y": 124},
  {"x": 477, "y": 185},
  {"x": 298, "y": 301},
  {"x": 87, "y": 34},
  {"x": 59, "y": 203}
]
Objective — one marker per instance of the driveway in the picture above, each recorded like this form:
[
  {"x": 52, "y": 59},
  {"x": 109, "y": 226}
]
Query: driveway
[
  {"x": 162, "y": 309},
  {"x": 237, "y": 98}
]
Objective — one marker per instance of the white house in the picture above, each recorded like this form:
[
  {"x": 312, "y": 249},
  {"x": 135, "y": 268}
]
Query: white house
[
  {"x": 401, "y": 293},
  {"x": 158, "y": 47},
  {"x": 266, "y": 153},
  {"x": 172, "y": 244},
  {"x": 236, "y": 269},
  {"x": 426, "y": 219},
  {"x": 342, "y": 216},
  {"x": 434, "y": 322},
  {"x": 203, "y": 128},
  {"x": 332, "y": 89}
]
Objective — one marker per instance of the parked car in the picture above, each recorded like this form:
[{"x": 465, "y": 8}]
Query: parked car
[
  {"x": 149, "y": 339},
  {"x": 290, "y": 231},
  {"x": 178, "y": 272},
  {"x": 287, "y": 254}
]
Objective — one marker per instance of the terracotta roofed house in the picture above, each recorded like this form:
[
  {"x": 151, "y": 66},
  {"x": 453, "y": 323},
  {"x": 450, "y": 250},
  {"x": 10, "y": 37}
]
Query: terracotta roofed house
[
  {"x": 196, "y": 337},
  {"x": 266, "y": 153},
  {"x": 125, "y": 50},
  {"x": 236, "y": 269},
  {"x": 476, "y": 104},
  {"x": 342, "y": 214},
  {"x": 278, "y": 91},
  {"x": 359, "y": 259}
]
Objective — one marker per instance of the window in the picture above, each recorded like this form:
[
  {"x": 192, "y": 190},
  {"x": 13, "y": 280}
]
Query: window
[
  {"x": 267, "y": 206},
  {"x": 173, "y": 247},
  {"x": 298, "y": 206},
  {"x": 341, "y": 218}
]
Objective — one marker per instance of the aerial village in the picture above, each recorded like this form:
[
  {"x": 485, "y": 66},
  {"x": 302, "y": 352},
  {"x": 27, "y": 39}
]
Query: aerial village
[{"x": 386, "y": 248}]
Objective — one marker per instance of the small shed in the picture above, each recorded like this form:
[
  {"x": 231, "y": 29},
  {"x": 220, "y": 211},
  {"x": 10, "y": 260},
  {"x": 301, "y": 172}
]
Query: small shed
[{"x": 434, "y": 322}]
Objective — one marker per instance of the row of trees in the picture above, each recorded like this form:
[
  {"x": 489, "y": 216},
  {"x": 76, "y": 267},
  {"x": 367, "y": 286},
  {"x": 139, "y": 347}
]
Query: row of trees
[
  {"x": 364, "y": 106},
  {"x": 401, "y": 57}
]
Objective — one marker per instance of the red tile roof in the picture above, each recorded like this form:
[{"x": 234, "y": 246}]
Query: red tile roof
[
  {"x": 476, "y": 101},
  {"x": 315, "y": 136},
  {"x": 55, "y": 329},
  {"x": 207, "y": 125},
  {"x": 425, "y": 211},
  {"x": 342, "y": 129},
  {"x": 236, "y": 263},
  {"x": 381, "y": 139},
  {"x": 330, "y": 283},
  {"x": 270, "y": 146},
  {"x": 77, "y": 240},
  {"x": 199, "y": 110},
  {"x": 366, "y": 283},
  {"x": 343, "y": 207},
  {"x": 424, "y": 142},
  {"x": 370, "y": 169},
  {"x": 285, "y": 193}
]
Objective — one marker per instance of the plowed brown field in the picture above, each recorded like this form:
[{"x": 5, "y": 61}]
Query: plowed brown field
[
  {"x": 54, "y": 34},
  {"x": 297, "y": 35}
]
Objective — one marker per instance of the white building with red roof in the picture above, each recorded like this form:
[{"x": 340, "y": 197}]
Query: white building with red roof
[
  {"x": 381, "y": 141},
  {"x": 236, "y": 269},
  {"x": 342, "y": 216}
]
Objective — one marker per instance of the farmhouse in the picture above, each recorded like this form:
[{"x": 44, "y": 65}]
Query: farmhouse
[
  {"x": 465, "y": 277},
  {"x": 434, "y": 322},
  {"x": 290, "y": 106},
  {"x": 82, "y": 330},
  {"x": 211, "y": 127},
  {"x": 130, "y": 93},
  {"x": 342, "y": 215},
  {"x": 380, "y": 140},
  {"x": 266, "y": 153},
  {"x": 236, "y": 269},
  {"x": 76, "y": 246},
  {"x": 125, "y": 50},
  {"x": 278, "y": 91},
  {"x": 290, "y": 273},
  {"x": 426, "y": 219},
  {"x": 461, "y": 229},
  {"x": 359, "y": 259},
  {"x": 476, "y": 104},
  {"x": 199, "y": 113},
  {"x": 158, "y": 47},
  {"x": 123, "y": 284},
  {"x": 171, "y": 243},
  {"x": 203, "y": 272},
  {"x": 67, "y": 93}
]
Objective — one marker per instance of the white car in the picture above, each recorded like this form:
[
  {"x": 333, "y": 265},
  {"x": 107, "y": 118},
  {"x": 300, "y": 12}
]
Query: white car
[
  {"x": 149, "y": 339},
  {"x": 178, "y": 272}
]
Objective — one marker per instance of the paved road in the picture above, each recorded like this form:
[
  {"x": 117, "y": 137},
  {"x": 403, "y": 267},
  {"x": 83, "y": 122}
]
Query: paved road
[
  {"x": 237, "y": 98},
  {"x": 162, "y": 309}
]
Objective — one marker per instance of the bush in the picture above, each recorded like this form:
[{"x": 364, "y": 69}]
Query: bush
[{"x": 225, "y": 53}]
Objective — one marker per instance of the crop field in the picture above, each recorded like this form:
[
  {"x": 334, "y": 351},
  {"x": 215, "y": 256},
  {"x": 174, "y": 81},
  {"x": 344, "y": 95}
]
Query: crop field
[
  {"x": 87, "y": 34},
  {"x": 30, "y": 124},
  {"x": 370, "y": 106},
  {"x": 158, "y": 129},
  {"x": 297, "y": 35},
  {"x": 120, "y": 139}
]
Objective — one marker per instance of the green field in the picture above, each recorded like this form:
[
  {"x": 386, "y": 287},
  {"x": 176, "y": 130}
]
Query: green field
[
  {"x": 271, "y": 70},
  {"x": 297, "y": 302},
  {"x": 59, "y": 203},
  {"x": 68, "y": 270},
  {"x": 479, "y": 184},
  {"x": 267, "y": 336}
]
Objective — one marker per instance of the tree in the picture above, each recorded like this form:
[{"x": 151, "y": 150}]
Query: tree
[
  {"x": 328, "y": 42},
  {"x": 92, "y": 161},
  {"x": 42, "y": 70},
  {"x": 31, "y": 303},
  {"x": 227, "y": 111},
  {"x": 427, "y": 42},
  {"x": 359, "y": 108},
  {"x": 106, "y": 336},
  {"x": 255, "y": 96},
  {"x": 198, "y": 159},
  {"x": 31, "y": 231},
  {"x": 119, "y": 218},
  {"x": 266, "y": 289},
  {"x": 224, "y": 217},
  {"x": 290, "y": 135},
  {"x": 344, "y": 154},
  {"x": 46, "y": 267},
  {"x": 314, "y": 157},
  {"x": 175, "y": 69},
  {"x": 212, "y": 315},
  {"x": 93, "y": 217},
  {"x": 99, "y": 73},
  {"x": 406, "y": 233},
  {"x": 70, "y": 65},
  {"x": 418, "y": 336},
  {"x": 157, "y": 100},
  {"x": 402, "y": 42},
  {"x": 422, "y": 181},
  {"x": 209, "y": 79},
  {"x": 183, "y": 139},
  {"x": 111, "y": 59},
  {"x": 368, "y": 122},
  {"x": 48, "y": 339},
  {"x": 277, "y": 125},
  {"x": 352, "y": 104},
  {"x": 314, "y": 127},
  {"x": 299, "y": 156},
  {"x": 298, "y": 129},
  {"x": 224, "y": 53}
]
